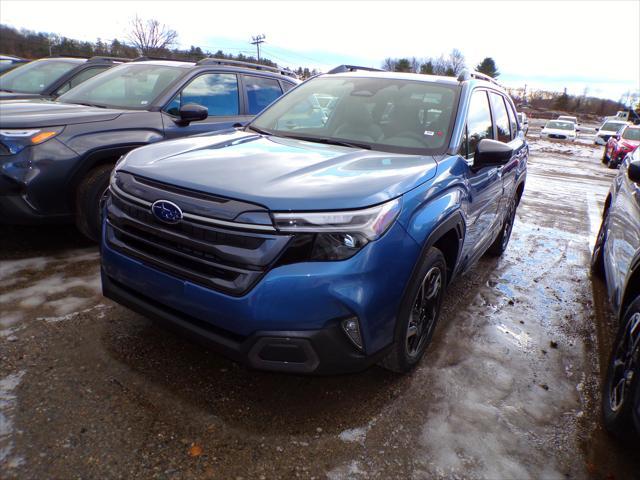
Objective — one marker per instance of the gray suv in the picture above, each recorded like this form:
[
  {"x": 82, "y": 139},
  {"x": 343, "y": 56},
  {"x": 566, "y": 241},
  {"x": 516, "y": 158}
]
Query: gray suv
[{"x": 56, "y": 156}]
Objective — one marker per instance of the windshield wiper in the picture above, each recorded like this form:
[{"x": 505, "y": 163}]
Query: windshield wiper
[
  {"x": 332, "y": 141},
  {"x": 258, "y": 130},
  {"x": 89, "y": 104},
  {"x": 7, "y": 90}
]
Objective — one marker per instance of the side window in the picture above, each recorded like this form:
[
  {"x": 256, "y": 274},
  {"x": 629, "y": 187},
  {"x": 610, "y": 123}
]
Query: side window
[
  {"x": 260, "y": 92},
  {"x": 501, "y": 117},
  {"x": 79, "y": 78},
  {"x": 479, "y": 125},
  {"x": 286, "y": 86},
  {"x": 512, "y": 119},
  {"x": 218, "y": 92}
]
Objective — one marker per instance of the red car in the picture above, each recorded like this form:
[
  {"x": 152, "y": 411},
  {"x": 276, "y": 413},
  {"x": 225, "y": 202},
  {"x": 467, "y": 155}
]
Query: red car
[{"x": 626, "y": 140}]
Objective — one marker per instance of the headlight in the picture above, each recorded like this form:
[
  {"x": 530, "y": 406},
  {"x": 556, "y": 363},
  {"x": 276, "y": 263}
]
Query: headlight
[
  {"x": 370, "y": 222},
  {"x": 340, "y": 235},
  {"x": 18, "y": 139}
]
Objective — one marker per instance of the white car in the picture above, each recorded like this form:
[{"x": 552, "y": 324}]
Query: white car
[
  {"x": 567, "y": 118},
  {"x": 608, "y": 129},
  {"x": 523, "y": 121},
  {"x": 559, "y": 130}
]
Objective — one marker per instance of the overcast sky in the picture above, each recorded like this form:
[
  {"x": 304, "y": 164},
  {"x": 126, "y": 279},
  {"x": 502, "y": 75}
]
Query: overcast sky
[{"x": 545, "y": 44}]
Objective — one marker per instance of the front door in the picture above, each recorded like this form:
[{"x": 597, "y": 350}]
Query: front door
[{"x": 219, "y": 93}]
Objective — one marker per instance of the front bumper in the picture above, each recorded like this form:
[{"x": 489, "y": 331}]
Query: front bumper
[
  {"x": 297, "y": 308},
  {"x": 34, "y": 184}
]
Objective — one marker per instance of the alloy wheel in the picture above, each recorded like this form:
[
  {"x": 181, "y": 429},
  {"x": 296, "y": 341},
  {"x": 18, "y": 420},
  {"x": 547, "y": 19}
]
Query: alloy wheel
[
  {"x": 424, "y": 311},
  {"x": 625, "y": 363}
]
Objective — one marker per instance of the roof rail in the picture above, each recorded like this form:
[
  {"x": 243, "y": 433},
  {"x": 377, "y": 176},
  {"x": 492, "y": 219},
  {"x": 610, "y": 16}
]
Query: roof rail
[
  {"x": 352, "y": 68},
  {"x": 239, "y": 63},
  {"x": 101, "y": 58},
  {"x": 144, "y": 58},
  {"x": 469, "y": 74}
]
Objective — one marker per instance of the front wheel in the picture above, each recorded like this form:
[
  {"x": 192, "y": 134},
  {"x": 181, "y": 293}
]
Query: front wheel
[
  {"x": 499, "y": 245},
  {"x": 88, "y": 196},
  {"x": 597, "y": 257},
  {"x": 622, "y": 382},
  {"x": 419, "y": 313},
  {"x": 605, "y": 157}
]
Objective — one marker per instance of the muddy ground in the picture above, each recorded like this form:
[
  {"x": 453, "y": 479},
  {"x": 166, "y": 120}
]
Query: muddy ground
[{"x": 509, "y": 387}]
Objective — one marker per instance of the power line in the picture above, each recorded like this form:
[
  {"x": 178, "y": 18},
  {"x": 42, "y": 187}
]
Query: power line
[{"x": 257, "y": 41}]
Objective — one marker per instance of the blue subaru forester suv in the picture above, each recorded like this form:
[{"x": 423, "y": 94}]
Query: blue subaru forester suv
[{"x": 321, "y": 237}]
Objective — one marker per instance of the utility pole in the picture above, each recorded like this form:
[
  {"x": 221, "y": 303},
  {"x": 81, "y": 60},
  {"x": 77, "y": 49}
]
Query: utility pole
[{"x": 257, "y": 41}]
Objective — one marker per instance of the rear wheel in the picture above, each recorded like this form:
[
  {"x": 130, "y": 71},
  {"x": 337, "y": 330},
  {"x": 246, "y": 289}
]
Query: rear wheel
[
  {"x": 419, "y": 313},
  {"x": 88, "y": 196},
  {"x": 605, "y": 158},
  {"x": 623, "y": 375},
  {"x": 499, "y": 245}
]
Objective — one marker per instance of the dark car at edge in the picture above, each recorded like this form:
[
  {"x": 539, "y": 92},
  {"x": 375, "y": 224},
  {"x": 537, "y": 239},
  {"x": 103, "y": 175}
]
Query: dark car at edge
[{"x": 616, "y": 259}]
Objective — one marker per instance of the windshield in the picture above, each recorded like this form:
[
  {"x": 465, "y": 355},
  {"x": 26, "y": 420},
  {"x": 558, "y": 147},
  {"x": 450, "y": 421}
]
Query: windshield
[
  {"x": 131, "y": 86},
  {"x": 561, "y": 125},
  {"x": 385, "y": 114},
  {"x": 611, "y": 126},
  {"x": 34, "y": 77},
  {"x": 631, "y": 134}
]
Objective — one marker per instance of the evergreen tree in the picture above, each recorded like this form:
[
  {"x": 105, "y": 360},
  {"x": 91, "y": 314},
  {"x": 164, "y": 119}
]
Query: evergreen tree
[{"x": 488, "y": 67}]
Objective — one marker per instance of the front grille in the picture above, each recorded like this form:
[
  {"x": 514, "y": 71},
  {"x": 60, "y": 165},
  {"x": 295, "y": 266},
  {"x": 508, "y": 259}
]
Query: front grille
[
  {"x": 218, "y": 257},
  {"x": 555, "y": 135}
]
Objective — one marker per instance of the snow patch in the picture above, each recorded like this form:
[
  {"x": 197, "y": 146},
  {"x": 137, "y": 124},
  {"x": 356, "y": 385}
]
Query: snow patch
[{"x": 8, "y": 403}]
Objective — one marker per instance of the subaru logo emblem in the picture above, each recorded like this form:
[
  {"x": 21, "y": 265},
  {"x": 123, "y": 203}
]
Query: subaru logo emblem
[{"x": 166, "y": 211}]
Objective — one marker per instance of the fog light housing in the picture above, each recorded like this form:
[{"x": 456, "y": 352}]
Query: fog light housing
[{"x": 352, "y": 328}]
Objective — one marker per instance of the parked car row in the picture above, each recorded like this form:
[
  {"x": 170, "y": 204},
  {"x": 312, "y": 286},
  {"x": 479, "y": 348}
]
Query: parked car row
[{"x": 306, "y": 228}]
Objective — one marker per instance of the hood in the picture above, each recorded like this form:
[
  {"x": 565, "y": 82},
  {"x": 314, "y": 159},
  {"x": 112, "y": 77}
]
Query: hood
[
  {"x": 558, "y": 131},
  {"x": 6, "y": 96},
  {"x": 46, "y": 113},
  {"x": 631, "y": 144},
  {"x": 281, "y": 173}
]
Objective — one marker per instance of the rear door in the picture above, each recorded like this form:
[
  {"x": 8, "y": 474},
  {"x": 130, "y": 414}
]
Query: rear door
[
  {"x": 219, "y": 92},
  {"x": 260, "y": 92},
  {"x": 506, "y": 131}
]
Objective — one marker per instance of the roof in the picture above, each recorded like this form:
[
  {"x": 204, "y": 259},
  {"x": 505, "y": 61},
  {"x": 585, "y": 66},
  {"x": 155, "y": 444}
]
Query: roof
[
  {"x": 397, "y": 76},
  {"x": 166, "y": 63}
]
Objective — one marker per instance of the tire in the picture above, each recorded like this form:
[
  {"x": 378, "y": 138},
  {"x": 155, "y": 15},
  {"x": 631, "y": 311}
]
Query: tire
[
  {"x": 611, "y": 163},
  {"x": 500, "y": 244},
  {"x": 621, "y": 385},
  {"x": 88, "y": 196},
  {"x": 605, "y": 158},
  {"x": 419, "y": 313},
  {"x": 597, "y": 256}
]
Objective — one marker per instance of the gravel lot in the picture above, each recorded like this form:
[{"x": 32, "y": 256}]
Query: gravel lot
[{"x": 508, "y": 389}]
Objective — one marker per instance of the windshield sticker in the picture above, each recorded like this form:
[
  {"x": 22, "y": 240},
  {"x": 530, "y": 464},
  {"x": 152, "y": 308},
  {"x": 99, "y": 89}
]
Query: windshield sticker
[{"x": 429, "y": 133}]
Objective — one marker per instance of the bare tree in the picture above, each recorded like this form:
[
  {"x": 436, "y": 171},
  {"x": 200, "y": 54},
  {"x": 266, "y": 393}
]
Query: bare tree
[
  {"x": 456, "y": 61},
  {"x": 150, "y": 36}
]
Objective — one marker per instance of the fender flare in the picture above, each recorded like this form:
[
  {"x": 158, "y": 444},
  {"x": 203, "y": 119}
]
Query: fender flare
[
  {"x": 454, "y": 221},
  {"x": 94, "y": 158}
]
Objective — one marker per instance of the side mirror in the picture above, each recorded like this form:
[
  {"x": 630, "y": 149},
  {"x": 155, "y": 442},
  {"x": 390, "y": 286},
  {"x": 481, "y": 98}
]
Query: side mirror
[
  {"x": 633, "y": 171},
  {"x": 192, "y": 112},
  {"x": 491, "y": 153}
]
